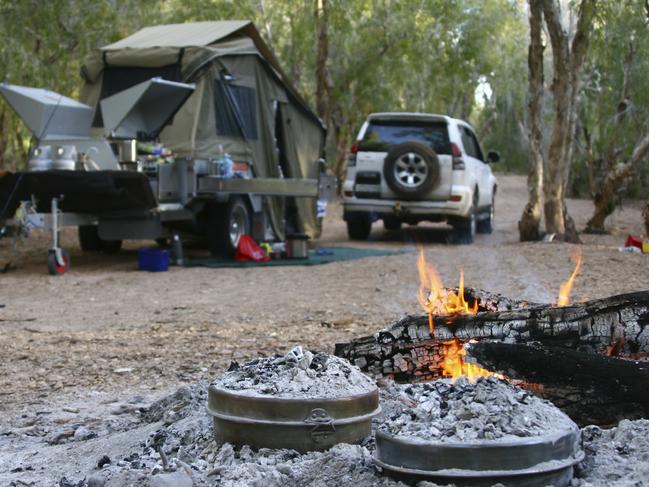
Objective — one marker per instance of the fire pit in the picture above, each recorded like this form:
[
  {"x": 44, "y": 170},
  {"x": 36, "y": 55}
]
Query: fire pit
[
  {"x": 475, "y": 434},
  {"x": 475, "y": 333},
  {"x": 301, "y": 401}
]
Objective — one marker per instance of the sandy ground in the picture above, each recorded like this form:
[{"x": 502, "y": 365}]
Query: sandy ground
[{"x": 107, "y": 334}]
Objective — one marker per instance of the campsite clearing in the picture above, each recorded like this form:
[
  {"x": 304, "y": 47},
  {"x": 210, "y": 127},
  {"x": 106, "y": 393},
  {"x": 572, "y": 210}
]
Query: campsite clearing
[{"x": 106, "y": 330}]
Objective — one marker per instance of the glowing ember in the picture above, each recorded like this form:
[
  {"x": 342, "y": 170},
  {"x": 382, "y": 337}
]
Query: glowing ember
[
  {"x": 434, "y": 297},
  {"x": 566, "y": 287},
  {"x": 454, "y": 365}
]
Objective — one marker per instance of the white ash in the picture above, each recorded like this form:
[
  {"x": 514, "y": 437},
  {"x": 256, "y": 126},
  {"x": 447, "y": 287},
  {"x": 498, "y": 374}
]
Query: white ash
[
  {"x": 343, "y": 465},
  {"x": 488, "y": 409},
  {"x": 130, "y": 455},
  {"x": 191, "y": 452},
  {"x": 299, "y": 373},
  {"x": 618, "y": 457}
]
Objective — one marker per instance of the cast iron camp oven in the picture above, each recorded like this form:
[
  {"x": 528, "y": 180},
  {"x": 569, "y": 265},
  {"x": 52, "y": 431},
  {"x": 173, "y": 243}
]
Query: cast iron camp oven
[
  {"x": 297, "y": 423},
  {"x": 530, "y": 462}
]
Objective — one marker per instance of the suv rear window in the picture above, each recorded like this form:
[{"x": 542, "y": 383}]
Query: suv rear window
[{"x": 381, "y": 135}]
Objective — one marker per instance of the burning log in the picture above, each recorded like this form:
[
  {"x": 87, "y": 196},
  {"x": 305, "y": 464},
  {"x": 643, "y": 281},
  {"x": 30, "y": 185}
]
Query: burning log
[
  {"x": 407, "y": 352},
  {"x": 590, "y": 388},
  {"x": 595, "y": 326}
]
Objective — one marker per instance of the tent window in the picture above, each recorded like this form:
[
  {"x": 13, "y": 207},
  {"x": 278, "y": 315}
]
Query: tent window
[
  {"x": 119, "y": 78},
  {"x": 235, "y": 106}
]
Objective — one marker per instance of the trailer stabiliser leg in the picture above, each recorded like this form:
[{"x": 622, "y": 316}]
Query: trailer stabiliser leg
[{"x": 58, "y": 260}]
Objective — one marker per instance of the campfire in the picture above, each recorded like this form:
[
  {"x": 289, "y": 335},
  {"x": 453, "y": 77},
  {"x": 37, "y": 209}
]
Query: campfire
[
  {"x": 472, "y": 333},
  {"x": 439, "y": 301},
  {"x": 435, "y": 298}
]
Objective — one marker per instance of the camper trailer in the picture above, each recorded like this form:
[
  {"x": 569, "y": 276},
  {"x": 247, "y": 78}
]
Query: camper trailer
[{"x": 185, "y": 128}]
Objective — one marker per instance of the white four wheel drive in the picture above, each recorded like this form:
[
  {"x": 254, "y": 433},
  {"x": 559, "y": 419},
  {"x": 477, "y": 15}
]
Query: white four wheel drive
[{"x": 412, "y": 167}]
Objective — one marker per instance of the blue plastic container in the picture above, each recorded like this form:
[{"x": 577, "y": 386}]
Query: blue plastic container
[{"x": 153, "y": 260}]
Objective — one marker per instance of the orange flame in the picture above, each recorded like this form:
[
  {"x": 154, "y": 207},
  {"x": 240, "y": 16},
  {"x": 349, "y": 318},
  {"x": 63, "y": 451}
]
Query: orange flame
[
  {"x": 566, "y": 287},
  {"x": 454, "y": 365},
  {"x": 434, "y": 297}
]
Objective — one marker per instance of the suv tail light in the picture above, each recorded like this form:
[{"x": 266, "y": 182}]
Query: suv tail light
[
  {"x": 351, "y": 159},
  {"x": 458, "y": 162}
]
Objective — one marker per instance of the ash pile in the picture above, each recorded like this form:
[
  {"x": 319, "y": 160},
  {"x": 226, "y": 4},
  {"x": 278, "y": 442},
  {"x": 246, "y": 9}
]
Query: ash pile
[
  {"x": 299, "y": 373},
  {"x": 487, "y": 409},
  {"x": 172, "y": 441}
]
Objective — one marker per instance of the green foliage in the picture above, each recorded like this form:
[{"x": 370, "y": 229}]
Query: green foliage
[
  {"x": 619, "y": 43},
  {"x": 384, "y": 55},
  {"x": 425, "y": 55},
  {"x": 43, "y": 44},
  {"x": 502, "y": 121}
]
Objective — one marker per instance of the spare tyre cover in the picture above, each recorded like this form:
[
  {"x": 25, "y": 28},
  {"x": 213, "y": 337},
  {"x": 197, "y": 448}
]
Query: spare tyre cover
[{"x": 411, "y": 169}]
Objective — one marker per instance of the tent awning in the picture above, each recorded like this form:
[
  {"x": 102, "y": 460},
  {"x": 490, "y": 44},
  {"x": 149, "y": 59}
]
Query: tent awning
[{"x": 193, "y": 34}]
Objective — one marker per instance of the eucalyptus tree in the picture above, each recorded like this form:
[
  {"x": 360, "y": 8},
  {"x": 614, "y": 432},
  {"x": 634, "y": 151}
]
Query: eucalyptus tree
[
  {"x": 569, "y": 52},
  {"x": 346, "y": 58},
  {"x": 43, "y": 44},
  {"x": 614, "y": 119}
]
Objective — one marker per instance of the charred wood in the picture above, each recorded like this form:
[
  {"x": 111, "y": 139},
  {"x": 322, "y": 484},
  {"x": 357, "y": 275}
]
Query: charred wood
[
  {"x": 590, "y": 388},
  {"x": 406, "y": 351}
]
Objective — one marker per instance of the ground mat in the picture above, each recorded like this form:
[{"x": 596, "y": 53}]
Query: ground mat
[{"x": 321, "y": 255}]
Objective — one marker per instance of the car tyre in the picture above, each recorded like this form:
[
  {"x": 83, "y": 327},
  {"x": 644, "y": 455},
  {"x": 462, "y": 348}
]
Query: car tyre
[
  {"x": 411, "y": 169},
  {"x": 464, "y": 230},
  {"x": 226, "y": 224},
  {"x": 487, "y": 225},
  {"x": 90, "y": 241},
  {"x": 359, "y": 226}
]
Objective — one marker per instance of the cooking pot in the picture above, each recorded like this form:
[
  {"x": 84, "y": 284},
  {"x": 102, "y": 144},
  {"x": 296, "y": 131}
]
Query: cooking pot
[{"x": 297, "y": 246}]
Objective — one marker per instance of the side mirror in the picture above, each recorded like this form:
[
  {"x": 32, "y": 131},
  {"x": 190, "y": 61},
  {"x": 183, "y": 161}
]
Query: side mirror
[{"x": 492, "y": 156}]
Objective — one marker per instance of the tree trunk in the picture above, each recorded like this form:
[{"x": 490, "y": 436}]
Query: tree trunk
[
  {"x": 598, "y": 390},
  {"x": 342, "y": 142},
  {"x": 528, "y": 226},
  {"x": 605, "y": 195},
  {"x": 604, "y": 201},
  {"x": 322, "y": 73},
  {"x": 567, "y": 61}
]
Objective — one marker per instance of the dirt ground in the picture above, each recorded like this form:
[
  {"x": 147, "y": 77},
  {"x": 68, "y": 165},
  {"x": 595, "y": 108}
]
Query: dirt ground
[{"x": 108, "y": 330}]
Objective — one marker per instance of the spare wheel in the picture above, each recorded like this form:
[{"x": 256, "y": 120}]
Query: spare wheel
[{"x": 411, "y": 169}]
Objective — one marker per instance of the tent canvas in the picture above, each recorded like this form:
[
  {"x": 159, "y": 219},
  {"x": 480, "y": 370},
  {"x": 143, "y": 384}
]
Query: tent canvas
[{"x": 242, "y": 102}]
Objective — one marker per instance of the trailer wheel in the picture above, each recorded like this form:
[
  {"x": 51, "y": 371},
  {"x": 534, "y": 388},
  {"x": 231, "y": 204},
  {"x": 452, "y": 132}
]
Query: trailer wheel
[
  {"x": 111, "y": 246},
  {"x": 90, "y": 241},
  {"x": 226, "y": 224},
  {"x": 89, "y": 238},
  {"x": 53, "y": 266}
]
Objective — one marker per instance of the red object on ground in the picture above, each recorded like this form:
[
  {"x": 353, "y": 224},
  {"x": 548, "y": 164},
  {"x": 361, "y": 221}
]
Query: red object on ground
[
  {"x": 633, "y": 241},
  {"x": 249, "y": 251}
]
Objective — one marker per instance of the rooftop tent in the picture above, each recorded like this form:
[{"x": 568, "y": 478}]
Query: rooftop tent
[{"x": 242, "y": 101}]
